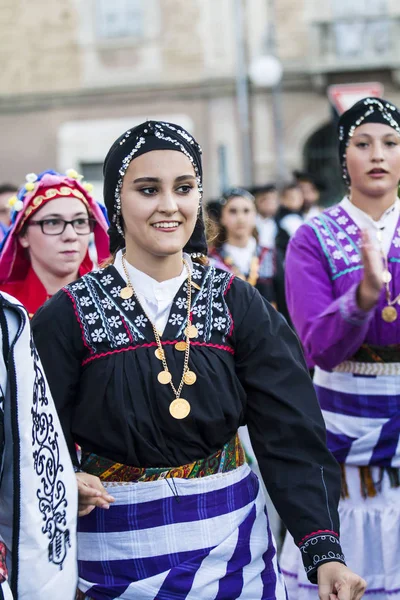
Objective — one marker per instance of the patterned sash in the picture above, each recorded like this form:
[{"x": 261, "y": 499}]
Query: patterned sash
[{"x": 230, "y": 457}]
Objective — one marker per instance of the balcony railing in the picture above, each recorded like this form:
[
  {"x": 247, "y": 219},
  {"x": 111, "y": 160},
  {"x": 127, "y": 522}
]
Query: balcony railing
[{"x": 355, "y": 43}]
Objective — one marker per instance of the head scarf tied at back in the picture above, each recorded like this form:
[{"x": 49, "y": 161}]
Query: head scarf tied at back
[
  {"x": 37, "y": 191},
  {"x": 368, "y": 110},
  {"x": 151, "y": 135}
]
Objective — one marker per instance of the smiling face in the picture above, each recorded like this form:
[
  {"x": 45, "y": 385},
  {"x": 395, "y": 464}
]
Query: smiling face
[
  {"x": 238, "y": 216},
  {"x": 373, "y": 159},
  {"x": 61, "y": 255},
  {"x": 159, "y": 203}
]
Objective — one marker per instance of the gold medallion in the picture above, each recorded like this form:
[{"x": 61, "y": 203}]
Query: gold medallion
[
  {"x": 389, "y": 314},
  {"x": 126, "y": 292},
  {"x": 181, "y": 346},
  {"x": 164, "y": 377},
  {"x": 191, "y": 331},
  {"x": 189, "y": 378},
  {"x": 179, "y": 408},
  {"x": 159, "y": 353},
  {"x": 386, "y": 276}
]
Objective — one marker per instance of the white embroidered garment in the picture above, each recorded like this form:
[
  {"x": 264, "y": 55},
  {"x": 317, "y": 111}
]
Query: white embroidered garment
[
  {"x": 386, "y": 224},
  {"x": 38, "y": 493},
  {"x": 156, "y": 297},
  {"x": 242, "y": 256}
]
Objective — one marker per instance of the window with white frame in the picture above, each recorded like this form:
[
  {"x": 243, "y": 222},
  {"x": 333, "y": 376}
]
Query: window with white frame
[{"x": 119, "y": 19}]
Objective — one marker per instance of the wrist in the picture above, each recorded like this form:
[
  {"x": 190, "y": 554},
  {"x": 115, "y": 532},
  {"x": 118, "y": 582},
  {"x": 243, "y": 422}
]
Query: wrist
[{"x": 367, "y": 298}]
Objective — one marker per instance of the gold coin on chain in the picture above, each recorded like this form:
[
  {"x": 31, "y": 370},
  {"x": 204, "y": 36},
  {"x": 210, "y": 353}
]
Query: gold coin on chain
[
  {"x": 386, "y": 276},
  {"x": 389, "y": 314},
  {"x": 126, "y": 292},
  {"x": 191, "y": 331},
  {"x": 181, "y": 346},
  {"x": 190, "y": 378},
  {"x": 179, "y": 408},
  {"x": 159, "y": 353},
  {"x": 164, "y": 377}
]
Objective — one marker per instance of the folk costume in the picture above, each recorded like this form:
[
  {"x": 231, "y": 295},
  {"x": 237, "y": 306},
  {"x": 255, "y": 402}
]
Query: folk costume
[
  {"x": 253, "y": 263},
  {"x": 153, "y": 381},
  {"x": 38, "y": 494},
  {"x": 17, "y": 277},
  {"x": 357, "y": 370}
]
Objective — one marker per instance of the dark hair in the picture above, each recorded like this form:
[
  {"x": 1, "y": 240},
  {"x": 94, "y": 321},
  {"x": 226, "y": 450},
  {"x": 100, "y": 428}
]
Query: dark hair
[
  {"x": 287, "y": 187},
  {"x": 263, "y": 189},
  {"x": 8, "y": 187},
  {"x": 217, "y": 234},
  {"x": 236, "y": 192}
]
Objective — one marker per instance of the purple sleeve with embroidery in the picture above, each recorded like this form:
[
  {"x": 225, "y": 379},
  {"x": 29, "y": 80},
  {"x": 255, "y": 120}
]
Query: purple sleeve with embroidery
[{"x": 331, "y": 328}]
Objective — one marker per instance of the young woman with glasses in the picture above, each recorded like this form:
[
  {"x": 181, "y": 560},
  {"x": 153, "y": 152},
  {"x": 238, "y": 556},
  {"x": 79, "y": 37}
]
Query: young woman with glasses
[{"x": 46, "y": 247}]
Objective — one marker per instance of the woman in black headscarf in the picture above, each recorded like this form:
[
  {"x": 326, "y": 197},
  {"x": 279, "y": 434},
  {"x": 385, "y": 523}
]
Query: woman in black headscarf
[{"x": 155, "y": 361}]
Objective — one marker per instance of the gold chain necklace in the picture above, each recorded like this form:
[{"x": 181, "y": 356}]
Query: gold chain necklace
[
  {"x": 179, "y": 408},
  {"x": 389, "y": 312}
]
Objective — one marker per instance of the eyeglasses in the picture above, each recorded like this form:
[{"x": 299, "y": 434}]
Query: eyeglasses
[{"x": 58, "y": 226}]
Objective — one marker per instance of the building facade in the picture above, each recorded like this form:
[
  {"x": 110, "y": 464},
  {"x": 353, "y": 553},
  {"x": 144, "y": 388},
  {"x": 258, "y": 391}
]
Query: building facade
[{"x": 76, "y": 73}]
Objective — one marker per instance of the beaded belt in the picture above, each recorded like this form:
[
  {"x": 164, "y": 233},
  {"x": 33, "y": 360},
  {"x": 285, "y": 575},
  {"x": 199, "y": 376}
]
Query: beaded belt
[
  {"x": 229, "y": 458},
  {"x": 373, "y": 360}
]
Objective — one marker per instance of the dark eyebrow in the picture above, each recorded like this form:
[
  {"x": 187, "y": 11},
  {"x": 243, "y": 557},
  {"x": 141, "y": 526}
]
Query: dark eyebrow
[
  {"x": 58, "y": 216},
  {"x": 158, "y": 180},
  {"x": 185, "y": 177},
  {"x": 370, "y": 136},
  {"x": 147, "y": 180}
]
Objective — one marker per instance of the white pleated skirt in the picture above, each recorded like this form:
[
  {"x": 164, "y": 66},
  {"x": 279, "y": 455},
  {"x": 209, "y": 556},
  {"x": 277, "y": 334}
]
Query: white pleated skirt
[{"x": 370, "y": 538}]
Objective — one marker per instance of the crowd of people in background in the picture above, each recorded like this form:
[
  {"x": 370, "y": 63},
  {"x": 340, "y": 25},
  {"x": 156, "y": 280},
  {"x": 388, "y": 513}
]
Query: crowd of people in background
[{"x": 332, "y": 273}]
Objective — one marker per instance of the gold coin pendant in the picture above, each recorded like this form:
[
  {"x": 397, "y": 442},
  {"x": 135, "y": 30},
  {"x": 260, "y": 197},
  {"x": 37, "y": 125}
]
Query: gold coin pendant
[
  {"x": 179, "y": 408},
  {"x": 191, "y": 331},
  {"x": 190, "y": 378},
  {"x": 386, "y": 277},
  {"x": 126, "y": 293},
  {"x": 159, "y": 353},
  {"x": 181, "y": 346},
  {"x": 389, "y": 314},
  {"x": 164, "y": 377}
]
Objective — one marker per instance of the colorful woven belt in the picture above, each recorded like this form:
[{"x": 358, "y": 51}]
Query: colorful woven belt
[
  {"x": 370, "y": 353},
  {"x": 229, "y": 458}
]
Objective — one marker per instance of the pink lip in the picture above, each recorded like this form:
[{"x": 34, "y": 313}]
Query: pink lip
[
  {"x": 377, "y": 173},
  {"x": 69, "y": 252}
]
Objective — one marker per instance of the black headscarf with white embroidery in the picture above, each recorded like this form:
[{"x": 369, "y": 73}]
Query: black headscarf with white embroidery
[
  {"x": 368, "y": 110},
  {"x": 148, "y": 136}
]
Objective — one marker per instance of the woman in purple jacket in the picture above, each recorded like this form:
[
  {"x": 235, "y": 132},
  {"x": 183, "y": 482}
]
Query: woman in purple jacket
[{"x": 347, "y": 261}]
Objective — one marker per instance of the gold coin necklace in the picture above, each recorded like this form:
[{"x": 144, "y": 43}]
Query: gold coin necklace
[
  {"x": 179, "y": 408},
  {"x": 389, "y": 312}
]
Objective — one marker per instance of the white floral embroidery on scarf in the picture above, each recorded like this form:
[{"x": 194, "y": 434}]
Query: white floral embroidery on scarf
[
  {"x": 92, "y": 318},
  {"x": 140, "y": 321},
  {"x": 176, "y": 319},
  {"x": 98, "y": 335},
  {"x": 115, "y": 291},
  {"x": 114, "y": 321}
]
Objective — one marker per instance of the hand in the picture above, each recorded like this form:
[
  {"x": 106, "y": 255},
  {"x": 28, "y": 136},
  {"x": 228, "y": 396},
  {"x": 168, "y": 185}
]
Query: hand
[
  {"x": 91, "y": 493},
  {"x": 370, "y": 287},
  {"x": 337, "y": 582}
]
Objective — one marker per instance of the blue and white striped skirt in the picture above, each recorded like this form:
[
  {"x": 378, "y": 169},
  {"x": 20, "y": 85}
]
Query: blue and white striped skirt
[{"x": 206, "y": 538}]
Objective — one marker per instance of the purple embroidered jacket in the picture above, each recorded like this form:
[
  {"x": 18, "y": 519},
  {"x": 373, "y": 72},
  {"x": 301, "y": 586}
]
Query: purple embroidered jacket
[{"x": 323, "y": 271}]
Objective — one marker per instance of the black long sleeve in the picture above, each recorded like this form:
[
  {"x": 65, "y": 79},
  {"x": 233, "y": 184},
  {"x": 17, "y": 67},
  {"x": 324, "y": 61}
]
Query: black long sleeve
[{"x": 288, "y": 434}]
